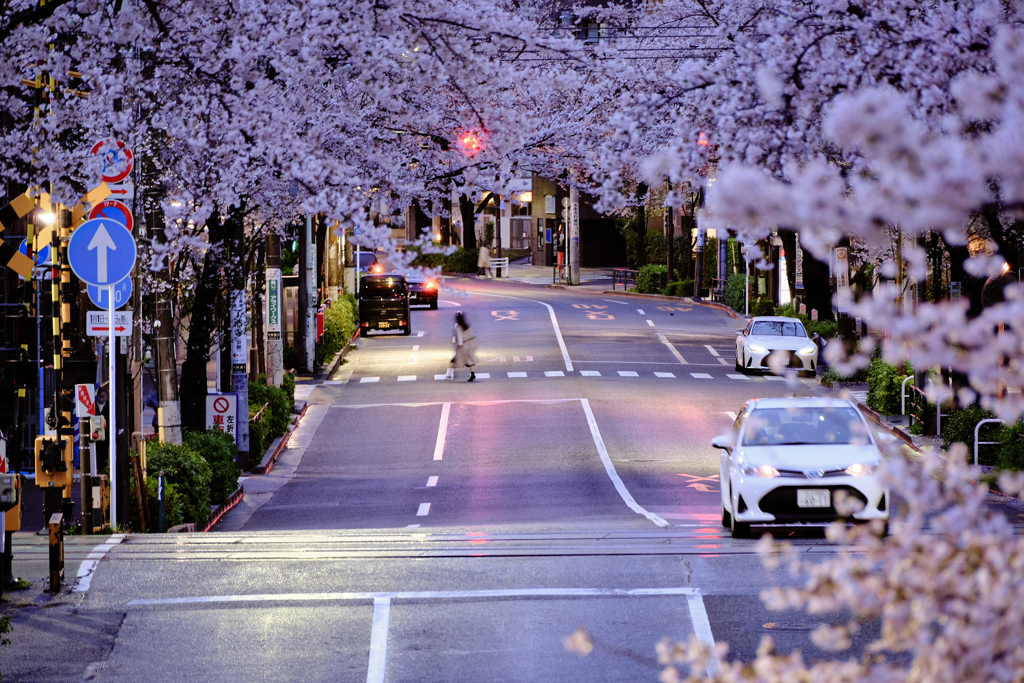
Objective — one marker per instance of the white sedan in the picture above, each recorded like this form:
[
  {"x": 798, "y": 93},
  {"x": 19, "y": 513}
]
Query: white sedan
[
  {"x": 795, "y": 460},
  {"x": 765, "y": 335}
]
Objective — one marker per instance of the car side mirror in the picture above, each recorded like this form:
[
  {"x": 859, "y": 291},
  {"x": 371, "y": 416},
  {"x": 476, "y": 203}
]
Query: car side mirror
[{"x": 723, "y": 441}]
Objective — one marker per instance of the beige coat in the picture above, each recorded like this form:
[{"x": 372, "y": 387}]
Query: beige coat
[
  {"x": 465, "y": 347},
  {"x": 484, "y": 259}
]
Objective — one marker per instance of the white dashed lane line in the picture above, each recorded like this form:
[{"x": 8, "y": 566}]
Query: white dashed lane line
[
  {"x": 664, "y": 374},
  {"x": 628, "y": 373},
  {"x": 641, "y": 312},
  {"x": 432, "y": 481},
  {"x": 423, "y": 510},
  {"x": 711, "y": 349}
]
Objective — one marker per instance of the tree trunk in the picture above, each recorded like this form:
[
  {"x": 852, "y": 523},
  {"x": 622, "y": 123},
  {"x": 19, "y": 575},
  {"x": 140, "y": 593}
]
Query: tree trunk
[
  {"x": 467, "y": 209},
  {"x": 203, "y": 326}
]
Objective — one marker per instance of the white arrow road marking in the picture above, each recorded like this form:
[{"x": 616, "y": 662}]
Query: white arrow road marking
[{"x": 100, "y": 242}]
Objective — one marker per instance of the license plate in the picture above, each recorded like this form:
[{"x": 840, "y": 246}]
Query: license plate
[
  {"x": 384, "y": 326},
  {"x": 813, "y": 498}
]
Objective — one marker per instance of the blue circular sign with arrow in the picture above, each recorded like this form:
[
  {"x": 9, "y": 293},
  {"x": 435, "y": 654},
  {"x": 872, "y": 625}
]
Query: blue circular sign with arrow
[
  {"x": 122, "y": 294},
  {"x": 101, "y": 252}
]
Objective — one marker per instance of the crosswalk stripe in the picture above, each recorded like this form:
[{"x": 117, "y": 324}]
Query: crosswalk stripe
[
  {"x": 700, "y": 375},
  {"x": 516, "y": 374},
  {"x": 440, "y": 376},
  {"x": 589, "y": 373},
  {"x": 554, "y": 373},
  {"x": 731, "y": 376},
  {"x": 664, "y": 374},
  {"x": 367, "y": 380},
  {"x": 627, "y": 373},
  {"x": 483, "y": 375},
  {"x": 407, "y": 378}
]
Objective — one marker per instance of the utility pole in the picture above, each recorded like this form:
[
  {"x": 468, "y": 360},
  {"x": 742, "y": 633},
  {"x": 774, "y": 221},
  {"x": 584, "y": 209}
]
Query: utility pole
[
  {"x": 574, "y": 236},
  {"x": 309, "y": 306},
  {"x": 670, "y": 228},
  {"x": 275, "y": 345},
  {"x": 305, "y": 361},
  {"x": 239, "y": 337},
  {"x": 698, "y": 268}
]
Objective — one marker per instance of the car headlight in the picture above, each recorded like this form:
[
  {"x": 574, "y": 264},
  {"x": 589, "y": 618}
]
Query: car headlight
[
  {"x": 766, "y": 471},
  {"x": 757, "y": 348},
  {"x": 859, "y": 470},
  {"x": 808, "y": 350}
]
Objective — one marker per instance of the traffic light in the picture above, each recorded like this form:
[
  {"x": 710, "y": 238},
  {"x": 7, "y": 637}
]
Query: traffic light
[{"x": 53, "y": 461}]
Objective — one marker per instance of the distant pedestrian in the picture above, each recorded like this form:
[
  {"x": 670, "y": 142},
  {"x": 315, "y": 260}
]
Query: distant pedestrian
[
  {"x": 153, "y": 401},
  {"x": 465, "y": 348},
  {"x": 483, "y": 261}
]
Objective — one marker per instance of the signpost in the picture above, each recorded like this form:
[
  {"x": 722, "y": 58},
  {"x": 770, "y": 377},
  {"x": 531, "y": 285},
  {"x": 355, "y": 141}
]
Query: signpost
[
  {"x": 222, "y": 413},
  {"x": 102, "y": 253},
  {"x": 115, "y": 211},
  {"x": 98, "y": 324},
  {"x": 844, "y": 297}
]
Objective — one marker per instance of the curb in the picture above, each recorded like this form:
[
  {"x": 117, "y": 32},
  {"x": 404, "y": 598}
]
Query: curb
[
  {"x": 272, "y": 454},
  {"x": 877, "y": 419},
  {"x": 222, "y": 509},
  {"x": 338, "y": 358}
]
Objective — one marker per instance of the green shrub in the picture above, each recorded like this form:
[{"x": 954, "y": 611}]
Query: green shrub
[
  {"x": 279, "y": 408},
  {"x": 672, "y": 289},
  {"x": 1011, "y": 448},
  {"x": 826, "y": 329},
  {"x": 959, "y": 426},
  {"x": 830, "y": 377},
  {"x": 686, "y": 287},
  {"x": 188, "y": 471},
  {"x": 650, "y": 279},
  {"x": 656, "y": 247},
  {"x": 259, "y": 442},
  {"x": 762, "y": 307},
  {"x": 221, "y": 454},
  {"x": 173, "y": 512},
  {"x": 462, "y": 261},
  {"x": 884, "y": 387},
  {"x": 734, "y": 292},
  {"x": 288, "y": 384},
  {"x": 339, "y": 326}
]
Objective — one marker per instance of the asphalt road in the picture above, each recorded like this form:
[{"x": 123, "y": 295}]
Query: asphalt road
[{"x": 418, "y": 529}]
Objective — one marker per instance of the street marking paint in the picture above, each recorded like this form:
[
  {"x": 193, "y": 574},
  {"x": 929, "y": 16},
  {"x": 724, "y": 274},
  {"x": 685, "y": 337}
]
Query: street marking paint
[
  {"x": 498, "y": 594},
  {"x": 732, "y": 415},
  {"x": 701, "y": 483},
  {"x": 420, "y": 333},
  {"x": 442, "y": 431},
  {"x": 415, "y": 348},
  {"x": 505, "y": 315},
  {"x": 431, "y": 481},
  {"x": 700, "y": 375},
  {"x": 640, "y": 311},
  {"x": 423, "y": 510},
  {"x": 516, "y": 374},
  {"x": 616, "y": 302},
  {"x": 590, "y": 373},
  {"x": 379, "y": 640},
  {"x": 664, "y": 374},
  {"x": 417, "y": 526},
  {"x": 651, "y": 323},
  {"x": 775, "y": 378},
  {"x": 369, "y": 380},
  {"x": 554, "y": 373},
  {"x": 334, "y": 382},
  {"x": 554, "y": 324},
  {"x": 722, "y": 361},
  {"x": 628, "y": 373},
  {"x": 436, "y": 377},
  {"x": 702, "y": 629},
  {"x": 732, "y": 376},
  {"x": 711, "y": 349},
  {"x": 610, "y": 468},
  {"x": 407, "y": 378},
  {"x": 600, "y": 315},
  {"x": 483, "y": 375},
  {"x": 88, "y": 566},
  {"x": 675, "y": 352},
  {"x": 522, "y": 359}
]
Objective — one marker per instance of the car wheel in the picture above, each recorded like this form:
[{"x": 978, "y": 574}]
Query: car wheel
[
  {"x": 433, "y": 305},
  {"x": 726, "y": 519},
  {"x": 740, "y": 529},
  {"x": 407, "y": 331},
  {"x": 739, "y": 368},
  {"x": 363, "y": 331}
]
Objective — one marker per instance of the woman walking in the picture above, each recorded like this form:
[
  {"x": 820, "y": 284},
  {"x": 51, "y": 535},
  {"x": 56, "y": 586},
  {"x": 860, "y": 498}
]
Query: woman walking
[
  {"x": 483, "y": 262},
  {"x": 465, "y": 348}
]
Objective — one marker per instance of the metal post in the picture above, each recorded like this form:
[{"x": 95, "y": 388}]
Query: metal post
[
  {"x": 573, "y": 248},
  {"x": 112, "y": 408},
  {"x": 160, "y": 497},
  {"x": 976, "y": 428},
  {"x": 275, "y": 345},
  {"x": 56, "y": 552},
  {"x": 903, "y": 394}
]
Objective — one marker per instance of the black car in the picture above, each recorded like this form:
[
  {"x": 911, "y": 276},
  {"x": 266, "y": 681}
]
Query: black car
[
  {"x": 422, "y": 290},
  {"x": 384, "y": 303}
]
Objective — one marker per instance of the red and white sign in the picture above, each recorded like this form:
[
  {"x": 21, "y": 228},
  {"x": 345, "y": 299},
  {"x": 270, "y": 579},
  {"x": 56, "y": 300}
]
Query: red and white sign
[
  {"x": 97, "y": 324},
  {"x": 117, "y": 159},
  {"x": 115, "y": 211},
  {"x": 222, "y": 413},
  {"x": 85, "y": 400}
]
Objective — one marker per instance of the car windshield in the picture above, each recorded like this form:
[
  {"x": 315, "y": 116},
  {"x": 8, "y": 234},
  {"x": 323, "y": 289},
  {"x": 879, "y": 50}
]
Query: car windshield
[
  {"x": 366, "y": 259},
  {"x": 804, "y": 425},
  {"x": 382, "y": 288},
  {"x": 778, "y": 328}
]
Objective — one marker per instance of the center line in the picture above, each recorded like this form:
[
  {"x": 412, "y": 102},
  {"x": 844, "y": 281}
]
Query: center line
[
  {"x": 432, "y": 481},
  {"x": 666, "y": 342},
  {"x": 424, "y": 510},
  {"x": 442, "y": 431},
  {"x": 640, "y": 311}
]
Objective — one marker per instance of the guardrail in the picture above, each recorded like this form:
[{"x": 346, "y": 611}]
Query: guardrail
[
  {"x": 623, "y": 275},
  {"x": 497, "y": 264},
  {"x": 983, "y": 443}
]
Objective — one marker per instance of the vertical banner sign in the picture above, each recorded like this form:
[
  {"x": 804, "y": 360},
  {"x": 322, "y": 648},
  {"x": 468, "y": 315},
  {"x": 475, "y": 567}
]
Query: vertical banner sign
[
  {"x": 844, "y": 297},
  {"x": 701, "y": 234},
  {"x": 222, "y": 413},
  {"x": 799, "y": 255},
  {"x": 239, "y": 339},
  {"x": 273, "y": 303},
  {"x": 85, "y": 400}
]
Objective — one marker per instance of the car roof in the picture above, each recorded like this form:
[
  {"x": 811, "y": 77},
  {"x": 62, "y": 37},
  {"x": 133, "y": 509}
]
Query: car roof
[
  {"x": 383, "y": 276},
  {"x": 802, "y": 402},
  {"x": 775, "y": 319}
]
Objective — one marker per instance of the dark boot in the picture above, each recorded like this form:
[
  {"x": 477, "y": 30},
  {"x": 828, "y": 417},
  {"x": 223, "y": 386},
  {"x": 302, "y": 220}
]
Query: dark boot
[{"x": 472, "y": 376}]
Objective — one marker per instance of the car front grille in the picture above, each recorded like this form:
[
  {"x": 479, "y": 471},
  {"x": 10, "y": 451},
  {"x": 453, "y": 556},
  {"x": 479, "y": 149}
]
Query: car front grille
[
  {"x": 812, "y": 474},
  {"x": 781, "y": 503}
]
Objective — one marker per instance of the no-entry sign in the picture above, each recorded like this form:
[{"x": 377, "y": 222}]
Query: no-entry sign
[{"x": 222, "y": 413}]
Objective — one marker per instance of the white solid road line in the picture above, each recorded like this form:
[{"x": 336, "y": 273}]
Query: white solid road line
[
  {"x": 442, "y": 431},
  {"x": 407, "y": 378},
  {"x": 85, "y": 571},
  {"x": 432, "y": 481},
  {"x": 379, "y": 640},
  {"x": 610, "y": 468},
  {"x": 554, "y": 324},
  {"x": 675, "y": 352},
  {"x": 732, "y": 415},
  {"x": 423, "y": 510},
  {"x": 701, "y": 629},
  {"x": 711, "y": 349}
]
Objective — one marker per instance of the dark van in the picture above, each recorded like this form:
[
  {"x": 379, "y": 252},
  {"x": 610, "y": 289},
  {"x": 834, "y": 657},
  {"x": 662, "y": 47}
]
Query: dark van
[{"x": 384, "y": 303}]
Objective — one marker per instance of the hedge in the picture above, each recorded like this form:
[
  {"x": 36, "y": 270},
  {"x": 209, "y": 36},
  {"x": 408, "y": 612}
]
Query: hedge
[
  {"x": 650, "y": 278},
  {"x": 188, "y": 471},
  {"x": 339, "y": 326},
  {"x": 275, "y": 419},
  {"x": 884, "y": 386},
  {"x": 221, "y": 453}
]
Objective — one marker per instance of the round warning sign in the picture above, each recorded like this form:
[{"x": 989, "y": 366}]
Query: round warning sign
[
  {"x": 221, "y": 405},
  {"x": 117, "y": 159},
  {"x": 115, "y": 211}
]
